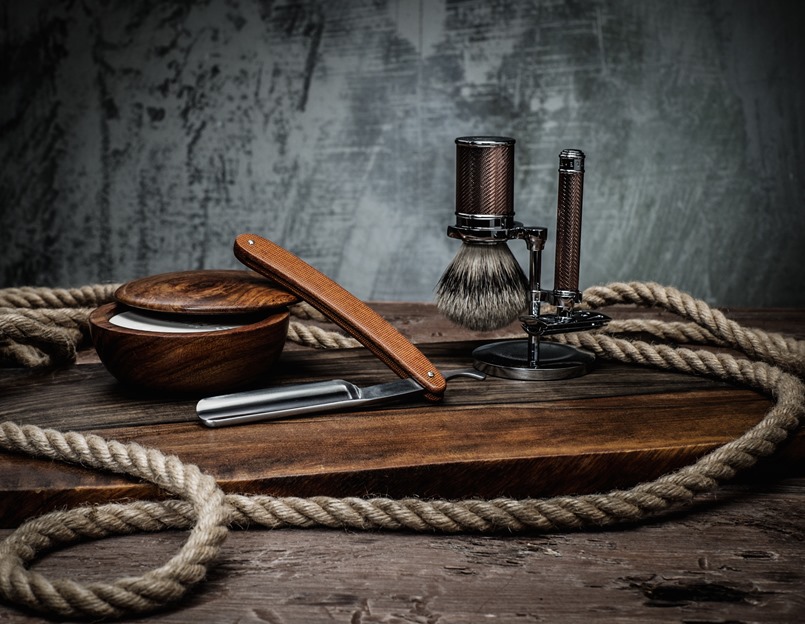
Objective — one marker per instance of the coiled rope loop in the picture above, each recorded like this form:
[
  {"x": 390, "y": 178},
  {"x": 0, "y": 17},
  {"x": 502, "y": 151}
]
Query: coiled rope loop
[
  {"x": 43, "y": 327},
  {"x": 207, "y": 511}
]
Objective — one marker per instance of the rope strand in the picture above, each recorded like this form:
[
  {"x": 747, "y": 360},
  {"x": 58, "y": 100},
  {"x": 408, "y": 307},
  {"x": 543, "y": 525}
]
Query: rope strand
[
  {"x": 203, "y": 508},
  {"x": 45, "y": 328}
]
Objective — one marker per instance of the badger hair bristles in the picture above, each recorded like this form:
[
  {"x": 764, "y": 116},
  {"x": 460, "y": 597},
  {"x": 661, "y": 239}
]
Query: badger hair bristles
[{"x": 484, "y": 287}]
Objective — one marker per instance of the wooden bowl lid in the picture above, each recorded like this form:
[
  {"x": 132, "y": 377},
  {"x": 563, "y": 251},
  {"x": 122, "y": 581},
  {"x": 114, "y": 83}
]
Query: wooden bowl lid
[{"x": 204, "y": 292}]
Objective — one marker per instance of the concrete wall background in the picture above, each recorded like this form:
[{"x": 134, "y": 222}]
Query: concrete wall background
[{"x": 142, "y": 136}]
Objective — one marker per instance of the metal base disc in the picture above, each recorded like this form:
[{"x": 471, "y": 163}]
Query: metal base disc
[{"x": 509, "y": 359}]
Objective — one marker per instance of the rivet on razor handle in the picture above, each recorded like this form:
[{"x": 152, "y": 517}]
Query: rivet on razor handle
[{"x": 534, "y": 359}]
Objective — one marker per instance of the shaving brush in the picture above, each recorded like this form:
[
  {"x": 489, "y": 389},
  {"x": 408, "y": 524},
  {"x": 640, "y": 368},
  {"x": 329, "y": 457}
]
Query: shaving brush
[{"x": 484, "y": 287}]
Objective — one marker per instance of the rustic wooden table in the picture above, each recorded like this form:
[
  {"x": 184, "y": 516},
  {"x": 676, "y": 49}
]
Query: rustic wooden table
[{"x": 737, "y": 555}]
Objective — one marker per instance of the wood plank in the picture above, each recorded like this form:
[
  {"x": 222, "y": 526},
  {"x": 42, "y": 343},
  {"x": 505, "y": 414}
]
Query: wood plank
[
  {"x": 87, "y": 397},
  {"x": 614, "y": 427},
  {"x": 498, "y": 437}
]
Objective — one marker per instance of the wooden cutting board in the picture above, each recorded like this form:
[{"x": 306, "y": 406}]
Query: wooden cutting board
[{"x": 613, "y": 428}]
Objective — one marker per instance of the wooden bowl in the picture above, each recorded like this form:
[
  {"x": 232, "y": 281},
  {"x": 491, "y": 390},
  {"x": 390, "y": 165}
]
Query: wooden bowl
[
  {"x": 198, "y": 363},
  {"x": 193, "y": 332}
]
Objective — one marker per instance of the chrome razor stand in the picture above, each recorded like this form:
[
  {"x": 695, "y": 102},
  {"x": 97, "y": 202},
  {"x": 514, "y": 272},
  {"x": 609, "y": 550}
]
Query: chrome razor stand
[{"x": 533, "y": 358}]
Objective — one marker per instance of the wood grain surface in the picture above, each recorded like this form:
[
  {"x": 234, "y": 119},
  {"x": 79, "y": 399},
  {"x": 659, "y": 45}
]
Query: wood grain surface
[
  {"x": 205, "y": 292},
  {"x": 737, "y": 558},
  {"x": 612, "y": 428},
  {"x": 343, "y": 308},
  {"x": 189, "y": 363},
  {"x": 734, "y": 557}
]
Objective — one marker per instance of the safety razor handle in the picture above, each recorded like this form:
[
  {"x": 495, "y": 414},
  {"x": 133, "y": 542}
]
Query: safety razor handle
[
  {"x": 568, "y": 220},
  {"x": 343, "y": 308}
]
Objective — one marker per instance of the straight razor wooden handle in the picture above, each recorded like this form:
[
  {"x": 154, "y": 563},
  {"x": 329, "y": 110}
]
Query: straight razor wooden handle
[{"x": 343, "y": 308}]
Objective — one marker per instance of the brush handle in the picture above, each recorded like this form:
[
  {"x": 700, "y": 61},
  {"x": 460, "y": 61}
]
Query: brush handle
[
  {"x": 350, "y": 313},
  {"x": 568, "y": 220},
  {"x": 485, "y": 176}
]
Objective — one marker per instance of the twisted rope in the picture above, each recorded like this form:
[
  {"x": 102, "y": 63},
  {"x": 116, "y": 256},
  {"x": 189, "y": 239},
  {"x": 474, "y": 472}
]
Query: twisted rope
[
  {"x": 756, "y": 343},
  {"x": 204, "y": 508},
  {"x": 41, "y": 297},
  {"x": 204, "y": 499},
  {"x": 318, "y": 338},
  {"x": 45, "y": 327}
]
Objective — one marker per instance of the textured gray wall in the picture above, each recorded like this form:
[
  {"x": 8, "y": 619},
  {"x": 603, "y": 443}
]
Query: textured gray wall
[{"x": 139, "y": 137}]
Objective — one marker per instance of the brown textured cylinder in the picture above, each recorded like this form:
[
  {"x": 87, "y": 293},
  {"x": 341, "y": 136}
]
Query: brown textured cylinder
[
  {"x": 485, "y": 175},
  {"x": 568, "y": 219}
]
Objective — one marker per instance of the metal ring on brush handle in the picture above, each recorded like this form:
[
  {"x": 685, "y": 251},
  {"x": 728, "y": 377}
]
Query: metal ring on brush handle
[{"x": 568, "y": 222}]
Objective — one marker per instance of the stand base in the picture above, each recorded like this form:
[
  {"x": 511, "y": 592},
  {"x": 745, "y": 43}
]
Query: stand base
[{"x": 509, "y": 359}]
